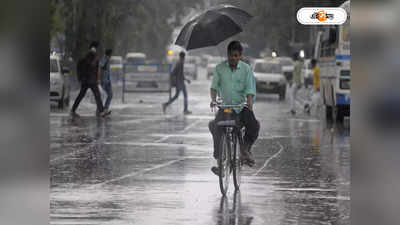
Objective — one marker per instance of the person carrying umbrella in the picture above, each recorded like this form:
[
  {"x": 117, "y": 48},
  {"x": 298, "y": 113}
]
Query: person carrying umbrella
[
  {"x": 234, "y": 81},
  {"x": 180, "y": 85}
]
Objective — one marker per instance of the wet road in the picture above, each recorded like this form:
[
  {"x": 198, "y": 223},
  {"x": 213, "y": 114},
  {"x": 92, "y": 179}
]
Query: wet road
[{"x": 142, "y": 167}]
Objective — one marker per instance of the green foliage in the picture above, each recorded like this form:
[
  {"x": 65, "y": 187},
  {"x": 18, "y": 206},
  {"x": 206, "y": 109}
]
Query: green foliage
[
  {"x": 56, "y": 22},
  {"x": 146, "y": 25},
  {"x": 124, "y": 25},
  {"x": 274, "y": 25}
]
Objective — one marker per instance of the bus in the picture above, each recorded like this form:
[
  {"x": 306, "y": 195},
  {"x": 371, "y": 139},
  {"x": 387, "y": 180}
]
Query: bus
[{"x": 332, "y": 50}]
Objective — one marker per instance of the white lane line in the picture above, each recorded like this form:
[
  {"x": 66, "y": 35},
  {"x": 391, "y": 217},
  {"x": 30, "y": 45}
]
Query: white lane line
[
  {"x": 190, "y": 126},
  {"x": 74, "y": 222},
  {"x": 163, "y": 139},
  {"x": 73, "y": 144},
  {"x": 152, "y": 144},
  {"x": 156, "y": 117},
  {"x": 139, "y": 144},
  {"x": 145, "y": 119},
  {"x": 140, "y": 172},
  {"x": 307, "y": 189},
  {"x": 282, "y": 136},
  {"x": 306, "y": 120},
  {"x": 201, "y": 117},
  {"x": 340, "y": 198},
  {"x": 269, "y": 160},
  {"x": 183, "y": 131},
  {"x": 70, "y": 154}
]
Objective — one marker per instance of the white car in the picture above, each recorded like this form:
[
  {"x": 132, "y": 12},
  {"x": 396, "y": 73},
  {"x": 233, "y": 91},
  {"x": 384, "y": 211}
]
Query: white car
[
  {"x": 269, "y": 77},
  {"x": 59, "y": 82},
  {"x": 135, "y": 58},
  {"x": 287, "y": 67},
  {"x": 116, "y": 66}
]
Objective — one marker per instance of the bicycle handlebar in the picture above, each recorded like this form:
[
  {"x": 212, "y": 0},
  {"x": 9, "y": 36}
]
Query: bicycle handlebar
[
  {"x": 222, "y": 106},
  {"x": 231, "y": 106}
]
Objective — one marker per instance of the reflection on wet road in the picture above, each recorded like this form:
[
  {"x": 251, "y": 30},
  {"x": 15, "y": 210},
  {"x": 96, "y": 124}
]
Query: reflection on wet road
[{"x": 142, "y": 167}]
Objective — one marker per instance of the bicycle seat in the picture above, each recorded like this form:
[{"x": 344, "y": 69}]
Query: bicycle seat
[{"x": 227, "y": 123}]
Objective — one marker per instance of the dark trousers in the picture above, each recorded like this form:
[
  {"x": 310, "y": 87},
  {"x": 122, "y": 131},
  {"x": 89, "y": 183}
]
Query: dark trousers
[
  {"x": 245, "y": 118},
  {"x": 108, "y": 89},
  {"x": 82, "y": 93},
  {"x": 185, "y": 96}
]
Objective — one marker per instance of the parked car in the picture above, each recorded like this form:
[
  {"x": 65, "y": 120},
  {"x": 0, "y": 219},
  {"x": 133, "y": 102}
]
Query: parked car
[
  {"x": 135, "y": 58},
  {"x": 287, "y": 67},
  {"x": 59, "y": 82},
  {"x": 269, "y": 77},
  {"x": 116, "y": 67}
]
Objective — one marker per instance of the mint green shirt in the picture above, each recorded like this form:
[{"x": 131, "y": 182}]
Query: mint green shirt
[{"x": 234, "y": 86}]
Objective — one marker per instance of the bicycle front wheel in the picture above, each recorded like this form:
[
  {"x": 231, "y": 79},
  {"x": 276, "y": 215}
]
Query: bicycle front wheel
[
  {"x": 237, "y": 164},
  {"x": 224, "y": 164}
]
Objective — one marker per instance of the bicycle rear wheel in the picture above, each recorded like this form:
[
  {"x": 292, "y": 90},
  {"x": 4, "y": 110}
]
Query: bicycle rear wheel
[
  {"x": 224, "y": 164},
  {"x": 237, "y": 164}
]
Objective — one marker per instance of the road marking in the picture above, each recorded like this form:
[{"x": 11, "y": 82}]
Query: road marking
[
  {"x": 183, "y": 131},
  {"x": 74, "y": 222},
  {"x": 269, "y": 160},
  {"x": 307, "y": 189},
  {"x": 70, "y": 154},
  {"x": 306, "y": 120},
  {"x": 152, "y": 144},
  {"x": 160, "y": 117},
  {"x": 201, "y": 117},
  {"x": 159, "y": 166},
  {"x": 133, "y": 174},
  {"x": 283, "y": 136},
  {"x": 140, "y": 144},
  {"x": 138, "y": 120},
  {"x": 190, "y": 126},
  {"x": 163, "y": 139}
]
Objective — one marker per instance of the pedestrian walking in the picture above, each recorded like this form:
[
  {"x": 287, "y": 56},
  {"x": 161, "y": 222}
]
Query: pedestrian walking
[
  {"x": 106, "y": 79},
  {"x": 296, "y": 83},
  {"x": 315, "y": 97},
  {"x": 89, "y": 77},
  {"x": 179, "y": 76}
]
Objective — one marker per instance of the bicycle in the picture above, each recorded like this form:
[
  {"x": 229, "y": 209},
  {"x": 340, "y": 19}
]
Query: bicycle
[{"x": 230, "y": 159}]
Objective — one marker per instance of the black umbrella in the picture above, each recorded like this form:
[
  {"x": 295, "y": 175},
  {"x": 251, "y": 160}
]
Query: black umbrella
[{"x": 212, "y": 27}]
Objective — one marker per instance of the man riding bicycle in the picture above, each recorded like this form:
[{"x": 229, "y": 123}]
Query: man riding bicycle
[{"x": 234, "y": 82}]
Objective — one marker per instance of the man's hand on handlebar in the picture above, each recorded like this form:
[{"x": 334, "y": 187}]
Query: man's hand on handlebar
[{"x": 213, "y": 104}]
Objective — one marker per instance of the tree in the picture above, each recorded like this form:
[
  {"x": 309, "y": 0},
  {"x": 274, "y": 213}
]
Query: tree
[
  {"x": 274, "y": 24},
  {"x": 125, "y": 25}
]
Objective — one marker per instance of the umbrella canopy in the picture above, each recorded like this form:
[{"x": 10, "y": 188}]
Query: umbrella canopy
[{"x": 212, "y": 27}]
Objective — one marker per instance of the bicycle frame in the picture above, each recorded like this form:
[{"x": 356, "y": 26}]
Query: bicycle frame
[{"x": 230, "y": 157}]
